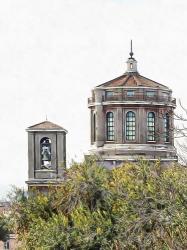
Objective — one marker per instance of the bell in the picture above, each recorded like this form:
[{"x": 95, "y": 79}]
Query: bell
[{"x": 46, "y": 155}]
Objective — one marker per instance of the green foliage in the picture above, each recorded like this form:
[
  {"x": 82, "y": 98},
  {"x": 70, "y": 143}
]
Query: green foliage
[
  {"x": 4, "y": 232},
  {"x": 135, "y": 206}
]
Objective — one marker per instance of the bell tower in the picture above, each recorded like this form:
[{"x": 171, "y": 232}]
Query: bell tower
[{"x": 46, "y": 155}]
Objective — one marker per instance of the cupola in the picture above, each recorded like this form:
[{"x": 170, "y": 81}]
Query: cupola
[{"x": 131, "y": 63}]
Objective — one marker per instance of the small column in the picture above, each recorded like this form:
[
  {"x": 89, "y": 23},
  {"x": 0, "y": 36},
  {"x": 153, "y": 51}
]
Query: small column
[
  {"x": 92, "y": 126},
  {"x": 119, "y": 126},
  {"x": 31, "y": 153},
  {"x": 142, "y": 122},
  {"x": 171, "y": 136},
  {"x": 161, "y": 125},
  {"x": 100, "y": 118},
  {"x": 61, "y": 153}
]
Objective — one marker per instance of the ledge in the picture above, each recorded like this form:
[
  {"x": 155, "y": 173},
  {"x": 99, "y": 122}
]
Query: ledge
[
  {"x": 44, "y": 182},
  {"x": 133, "y": 103},
  {"x": 45, "y": 170}
]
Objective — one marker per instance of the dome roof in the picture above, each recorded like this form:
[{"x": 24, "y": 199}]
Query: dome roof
[{"x": 132, "y": 79}]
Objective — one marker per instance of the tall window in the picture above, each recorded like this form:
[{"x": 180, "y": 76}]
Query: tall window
[
  {"x": 130, "y": 126},
  {"x": 151, "y": 126},
  {"x": 110, "y": 126},
  {"x": 166, "y": 127}
]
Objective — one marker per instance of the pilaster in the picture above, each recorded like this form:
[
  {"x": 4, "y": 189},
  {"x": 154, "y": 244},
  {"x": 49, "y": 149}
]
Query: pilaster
[
  {"x": 100, "y": 118},
  {"x": 119, "y": 126}
]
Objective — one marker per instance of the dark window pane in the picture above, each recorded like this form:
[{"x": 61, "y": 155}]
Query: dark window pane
[
  {"x": 151, "y": 126},
  {"x": 110, "y": 126},
  {"x": 166, "y": 128},
  {"x": 130, "y": 126}
]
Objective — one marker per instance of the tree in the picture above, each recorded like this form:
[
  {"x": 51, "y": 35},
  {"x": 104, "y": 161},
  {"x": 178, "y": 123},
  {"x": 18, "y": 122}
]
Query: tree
[
  {"x": 4, "y": 232},
  {"x": 181, "y": 133},
  {"x": 135, "y": 206}
]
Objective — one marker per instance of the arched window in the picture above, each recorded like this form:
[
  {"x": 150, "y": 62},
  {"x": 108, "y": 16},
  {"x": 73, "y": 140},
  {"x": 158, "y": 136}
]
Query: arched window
[
  {"x": 45, "y": 152},
  {"x": 94, "y": 127},
  {"x": 130, "y": 126},
  {"x": 110, "y": 126},
  {"x": 151, "y": 126},
  {"x": 166, "y": 127}
]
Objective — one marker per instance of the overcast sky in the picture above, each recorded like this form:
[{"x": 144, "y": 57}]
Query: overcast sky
[{"x": 53, "y": 52}]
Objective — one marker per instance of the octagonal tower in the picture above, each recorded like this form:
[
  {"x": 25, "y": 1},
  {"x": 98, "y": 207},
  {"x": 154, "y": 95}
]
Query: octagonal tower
[{"x": 132, "y": 117}]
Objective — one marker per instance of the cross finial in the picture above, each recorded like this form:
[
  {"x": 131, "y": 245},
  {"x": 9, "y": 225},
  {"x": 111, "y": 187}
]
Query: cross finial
[{"x": 131, "y": 53}]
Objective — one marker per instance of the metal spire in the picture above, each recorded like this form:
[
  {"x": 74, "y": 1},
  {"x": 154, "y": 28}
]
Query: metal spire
[{"x": 131, "y": 53}]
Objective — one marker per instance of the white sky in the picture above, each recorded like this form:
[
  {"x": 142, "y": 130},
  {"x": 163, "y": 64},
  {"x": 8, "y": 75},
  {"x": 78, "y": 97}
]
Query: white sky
[{"x": 53, "y": 52}]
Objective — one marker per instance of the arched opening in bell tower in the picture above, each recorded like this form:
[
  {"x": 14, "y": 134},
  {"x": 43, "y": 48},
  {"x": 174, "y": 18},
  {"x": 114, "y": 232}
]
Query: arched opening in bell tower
[{"x": 45, "y": 152}]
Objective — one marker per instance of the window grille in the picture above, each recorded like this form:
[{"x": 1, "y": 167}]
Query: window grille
[
  {"x": 151, "y": 126},
  {"x": 110, "y": 126},
  {"x": 130, "y": 126}
]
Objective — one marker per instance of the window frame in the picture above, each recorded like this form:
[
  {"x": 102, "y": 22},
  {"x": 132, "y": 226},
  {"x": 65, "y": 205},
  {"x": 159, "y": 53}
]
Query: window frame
[
  {"x": 152, "y": 131},
  {"x": 130, "y": 91},
  {"x": 110, "y": 126},
  {"x": 151, "y": 91},
  {"x": 166, "y": 128},
  {"x": 130, "y": 128},
  {"x": 109, "y": 94}
]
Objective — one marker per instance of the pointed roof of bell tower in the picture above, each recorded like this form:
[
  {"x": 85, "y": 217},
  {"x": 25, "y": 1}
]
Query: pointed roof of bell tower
[{"x": 46, "y": 126}]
